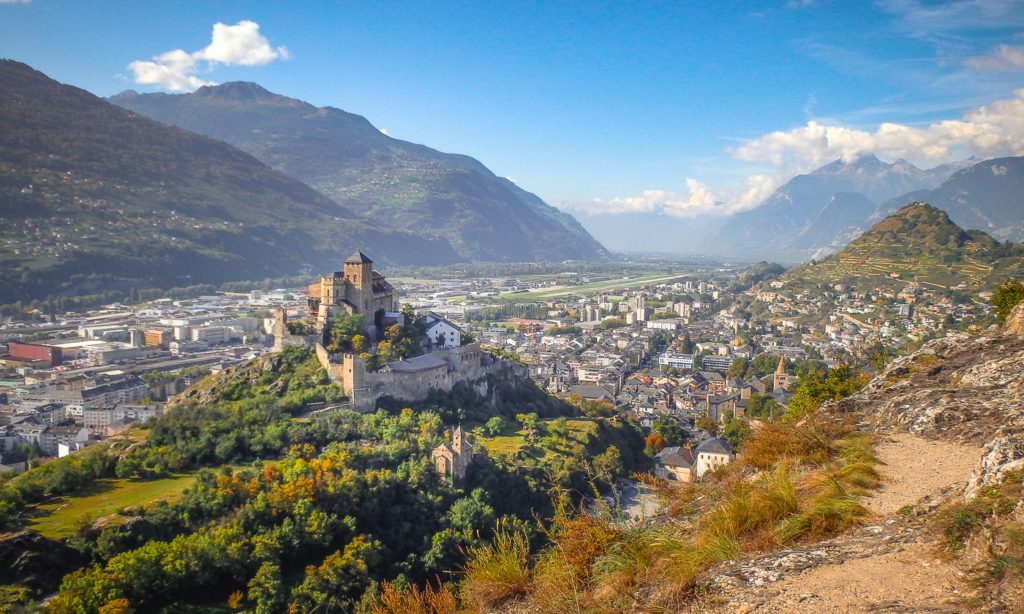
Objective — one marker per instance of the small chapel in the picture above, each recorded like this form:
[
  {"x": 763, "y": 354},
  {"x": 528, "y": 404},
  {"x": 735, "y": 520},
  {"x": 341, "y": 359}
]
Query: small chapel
[{"x": 453, "y": 459}]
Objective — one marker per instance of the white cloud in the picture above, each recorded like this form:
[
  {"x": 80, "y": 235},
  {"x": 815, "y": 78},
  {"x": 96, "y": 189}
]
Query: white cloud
[
  {"x": 15, "y": 1},
  {"x": 994, "y": 129},
  {"x": 698, "y": 200},
  {"x": 933, "y": 20},
  {"x": 990, "y": 130},
  {"x": 240, "y": 45},
  {"x": 1005, "y": 57},
  {"x": 172, "y": 70}
]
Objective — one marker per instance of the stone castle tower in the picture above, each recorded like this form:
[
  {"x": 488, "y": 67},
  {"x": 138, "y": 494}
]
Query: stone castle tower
[{"x": 356, "y": 289}]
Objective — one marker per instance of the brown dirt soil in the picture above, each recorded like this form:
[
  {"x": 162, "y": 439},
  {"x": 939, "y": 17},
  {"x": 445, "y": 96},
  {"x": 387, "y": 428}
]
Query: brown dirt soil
[
  {"x": 907, "y": 576},
  {"x": 908, "y": 580},
  {"x": 916, "y": 467}
]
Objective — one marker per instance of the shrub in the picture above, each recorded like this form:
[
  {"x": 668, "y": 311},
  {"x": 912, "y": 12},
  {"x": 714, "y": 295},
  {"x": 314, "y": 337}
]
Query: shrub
[{"x": 1008, "y": 293}]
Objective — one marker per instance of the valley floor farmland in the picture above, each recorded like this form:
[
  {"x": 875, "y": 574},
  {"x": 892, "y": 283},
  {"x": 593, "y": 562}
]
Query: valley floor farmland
[{"x": 591, "y": 288}]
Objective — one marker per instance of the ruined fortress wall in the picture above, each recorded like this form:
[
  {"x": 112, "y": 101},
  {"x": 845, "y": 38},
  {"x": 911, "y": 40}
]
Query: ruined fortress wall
[{"x": 283, "y": 338}]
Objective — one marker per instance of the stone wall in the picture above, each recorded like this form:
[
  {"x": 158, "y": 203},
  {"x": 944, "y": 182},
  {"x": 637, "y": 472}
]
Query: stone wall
[
  {"x": 335, "y": 371},
  {"x": 467, "y": 364},
  {"x": 283, "y": 338}
]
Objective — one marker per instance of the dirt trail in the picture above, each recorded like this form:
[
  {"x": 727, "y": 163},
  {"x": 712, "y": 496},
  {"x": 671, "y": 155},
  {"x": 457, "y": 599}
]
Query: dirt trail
[
  {"x": 916, "y": 467},
  {"x": 903, "y": 577}
]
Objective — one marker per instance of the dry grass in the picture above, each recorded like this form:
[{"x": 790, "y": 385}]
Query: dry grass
[
  {"x": 413, "y": 600},
  {"x": 810, "y": 441},
  {"x": 793, "y": 482},
  {"x": 562, "y": 577},
  {"x": 498, "y": 571}
]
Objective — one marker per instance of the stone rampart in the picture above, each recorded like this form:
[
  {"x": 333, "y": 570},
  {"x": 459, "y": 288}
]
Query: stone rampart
[{"x": 412, "y": 381}]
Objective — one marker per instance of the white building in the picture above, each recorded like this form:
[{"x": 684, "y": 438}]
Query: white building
[
  {"x": 668, "y": 360},
  {"x": 713, "y": 453},
  {"x": 214, "y": 335},
  {"x": 98, "y": 419},
  {"x": 441, "y": 332}
]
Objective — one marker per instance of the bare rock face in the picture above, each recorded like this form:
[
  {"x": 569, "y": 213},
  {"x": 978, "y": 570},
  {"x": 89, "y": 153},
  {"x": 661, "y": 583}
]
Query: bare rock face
[
  {"x": 959, "y": 388},
  {"x": 1001, "y": 456},
  {"x": 1014, "y": 324}
]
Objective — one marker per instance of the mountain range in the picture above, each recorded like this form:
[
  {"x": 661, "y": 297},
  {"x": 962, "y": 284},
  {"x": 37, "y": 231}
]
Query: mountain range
[
  {"x": 917, "y": 243},
  {"x": 96, "y": 197},
  {"x": 988, "y": 196},
  {"x": 819, "y": 212},
  {"x": 386, "y": 181}
]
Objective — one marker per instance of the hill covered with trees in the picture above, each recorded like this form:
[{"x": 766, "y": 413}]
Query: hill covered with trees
[{"x": 292, "y": 509}]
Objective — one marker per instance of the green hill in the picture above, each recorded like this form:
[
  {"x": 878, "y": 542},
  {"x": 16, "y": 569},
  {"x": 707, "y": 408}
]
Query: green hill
[
  {"x": 917, "y": 243},
  {"x": 94, "y": 197},
  {"x": 388, "y": 181}
]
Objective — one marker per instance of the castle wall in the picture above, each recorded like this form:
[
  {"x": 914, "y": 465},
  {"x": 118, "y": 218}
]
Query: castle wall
[
  {"x": 283, "y": 338},
  {"x": 335, "y": 371},
  {"x": 463, "y": 364}
]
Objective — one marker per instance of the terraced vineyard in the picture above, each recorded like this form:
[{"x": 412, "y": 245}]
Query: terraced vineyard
[{"x": 917, "y": 244}]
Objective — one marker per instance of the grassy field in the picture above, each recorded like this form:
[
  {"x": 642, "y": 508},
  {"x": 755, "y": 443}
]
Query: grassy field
[
  {"x": 59, "y": 519},
  {"x": 579, "y": 429}
]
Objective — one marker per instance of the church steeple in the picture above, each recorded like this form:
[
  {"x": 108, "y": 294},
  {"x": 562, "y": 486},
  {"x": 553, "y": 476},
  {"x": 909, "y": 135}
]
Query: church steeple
[
  {"x": 457, "y": 439},
  {"x": 781, "y": 380}
]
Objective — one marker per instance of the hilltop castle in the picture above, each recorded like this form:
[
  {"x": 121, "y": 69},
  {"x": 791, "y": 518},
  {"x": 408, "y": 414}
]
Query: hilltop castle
[{"x": 357, "y": 289}]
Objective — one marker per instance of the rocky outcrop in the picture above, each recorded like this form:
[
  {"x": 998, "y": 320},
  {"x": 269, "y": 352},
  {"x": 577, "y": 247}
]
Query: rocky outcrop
[
  {"x": 1014, "y": 324},
  {"x": 959, "y": 388},
  {"x": 208, "y": 390},
  {"x": 966, "y": 392}
]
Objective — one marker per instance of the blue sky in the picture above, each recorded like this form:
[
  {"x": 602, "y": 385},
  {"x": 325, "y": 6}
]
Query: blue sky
[{"x": 680, "y": 108}]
